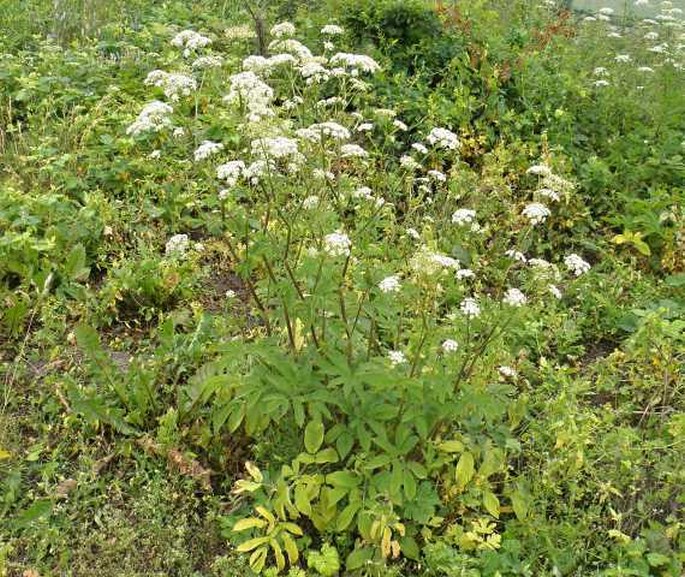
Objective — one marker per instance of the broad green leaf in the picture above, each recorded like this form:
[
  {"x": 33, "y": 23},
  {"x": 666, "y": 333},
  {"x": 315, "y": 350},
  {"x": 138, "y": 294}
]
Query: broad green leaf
[
  {"x": 518, "y": 503},
  {"x": 464, "y": 470},
  {"x": 491, "y": 503},
  {"x": 347, "y": 516},
  {"x": 328, "y": 455},
  {"x": 345, "y": 479},
  {"x": 278, "y": 554},
  {"x": 378, "y": 461},
  {"x": 358, "y": 558},
  {"x": 302, "y": 502},
  {"x": 290, "y": 548},
  {"x": 258, "y": 559},
  {"x": 313, "y": 436},
  {"x": 452, "y": 446},
  {"x": 409, "y": 547}
]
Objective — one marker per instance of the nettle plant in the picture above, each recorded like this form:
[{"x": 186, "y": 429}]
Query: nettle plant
[{"x": 379, "y": 387}]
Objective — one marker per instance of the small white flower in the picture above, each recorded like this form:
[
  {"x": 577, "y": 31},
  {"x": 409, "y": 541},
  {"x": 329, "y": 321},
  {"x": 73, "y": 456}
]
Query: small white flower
[
  {"x": 600, "y": 71},
  {"x": 623, "y": 58},
  {"x": 155, "y": 154},
  {"x": 413, "y": 233},
  {"x": 514, "y": 297},
  {"x": 437, "y": 175},
  {"x": 539, "y": 263},
  {"x": 328, "y": 45},
  {"x": 332, "y": 30},
  {"x": 601, "y": 83},
  {"x": 231, "y": 294},
  {"x": 230, "y": 172},
  {"x": 365, "y": 127},
  {"x": 469, "y": 308},
  {"x": 465, "y": 273},
  {"x": 449, "y": 346},
  {"x": 552, "y": 195},
  {"x": 363, "y": 192},
  {"x": 463, "y": 216},
  {"x": 507, "y": 372},
  {"x": 408, "y": 162},
  {"x": 400, "y": 125},
  {"x": 207, "y": 149},
  {"x": 177, "y": 245},
  {"x": 337, "y": 244},
  {"x": 353, "y": 150},
  {"x": 576, "y": 264},
  {"x": 397, "y": 358},
  {"x": 536, "y": 213},
  {"x": 311, "y": 202},
  {"x": 390, "y": 284},
  {"x": 178, "y": 132},
  {"x": 645, "y": 69},
  {"x": 539, "y": 170},
  {"x": 420, "y": 148},
  {"x": 554, "y": 291},
  {"x": 443, "y": 138},
  {"x": 516, "y": 255},
  {"x": 282, "y": 29},
  {"x": 224, "y": 193}
]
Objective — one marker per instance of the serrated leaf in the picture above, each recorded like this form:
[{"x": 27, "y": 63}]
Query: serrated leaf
[
  {"x": 464, "y": 470},
  {"x": 313, "y": 436}
]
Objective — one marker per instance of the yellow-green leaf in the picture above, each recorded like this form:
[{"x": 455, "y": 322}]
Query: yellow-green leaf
[
  {"x": 252, "y": 544},
  {"x": 465, "y": 468},
  {"x": 266, "y": 514},
  {"x": 313, "y": 436},
  {"x": 290, "y": 548},
  {"x": 292, "y": 528},
  {"x": 278, "y": 553},
  {"x": 452, "y": 446},
  {"x": 491, "y": 503},
  {"x": 258, "y": 559},
  {"x": 254, "y": 472},
  {"x": 249, "y": 523},
  {"x": 519, "y": 505},
  {"x": 4, "y": 454}
]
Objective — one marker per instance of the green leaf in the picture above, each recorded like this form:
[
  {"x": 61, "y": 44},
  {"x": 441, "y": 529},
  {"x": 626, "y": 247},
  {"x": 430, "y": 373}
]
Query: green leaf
[
  {"x": 452, "y": 446},
  {"x": 37, "y": 510},
  {"x": 344, "y": 444},
  {"x": 328, "y": 455},
  {"x": 358, "y": 558},
  {"x": 75, "y": 266},
  {"x": 409, "y": 547},
  {"x": 347, "y": 516},
  {"x": 344, "y": 479},
  {"x": 258, "y": 559},
  {"x": 378, "y": 461},
  {"x": 491, "y": 503},
  {"x": 465, "y": 469},
  {"x": 302, "y": 502},
  {"x": 520, "y": 506},
  {"x": 313, "y": 436}
]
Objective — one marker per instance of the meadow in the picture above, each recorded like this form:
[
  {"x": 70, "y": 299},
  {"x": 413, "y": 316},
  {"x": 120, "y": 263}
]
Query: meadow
[{"x": 342, "y": 288}]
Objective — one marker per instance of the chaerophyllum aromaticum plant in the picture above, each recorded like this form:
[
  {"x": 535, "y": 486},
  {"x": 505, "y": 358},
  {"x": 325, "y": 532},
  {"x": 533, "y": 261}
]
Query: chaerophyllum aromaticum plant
[{"x": 380, "y": 386}]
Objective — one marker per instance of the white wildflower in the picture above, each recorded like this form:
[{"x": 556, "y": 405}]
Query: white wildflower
[
  {"x": 576, "y": 264},
  {"x": 337, "y": 244},
  {"x": 397, "y": 358},
  {"x": 408, "y": 162},
  {"x": 332, "y": 30},
  {"x": 463, "y": 273},
  {"x": 463, "y": 216},
  {"x": 516, "y": 255},
  {"x": 390, "y": 284},
  {"x": 364, "y": 127},
  {"x": 282, "y": 29},
  {"x": 554, "y": 291},
  {"x": 153, "y": 118},
  {"x": 311, "y": 202},
  {"x": 539, "y": 170},
  {"x": 413, "y": 233},
  {"x": 623, "y": 58},
  {"x": 356, "y": 62},
  {"x": 242, "y": 32},
  {"x": 230, "y": 172},
  {"x": 469, "y": 308},
  {"x": 400, "y": 125},
  {"x": 449, "y": 346},
  {"x": 206, "y": 62},
  {"x": 207, "y": 149},
  {"x": 514, "y": 297},
  {"x": 536, "y": 213},
  {"x": 177, "y": 245},
  {"x": 507, "y": 372},
  {"x": 437, "y": 175},
  {"x": 353, "y": 150},
  {"x": 443, "y": 138},
  {"x": 420, "y": 148}
]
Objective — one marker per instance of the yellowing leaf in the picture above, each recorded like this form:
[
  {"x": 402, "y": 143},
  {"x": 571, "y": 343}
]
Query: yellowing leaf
[
  {"x": 249, "y": 523},
  {"x": 254, "y": 472},
  {"x": 4, "y": 454},
  {"x": 252, "y": 544},
  {"x": 452, "y": 446},
  {"x": 465, "y": 468},
  {"x": 290, "y": 548},
  {"x": 313, "y": 436},
  {"x": 491, "y": 503},
  {"x": 258, "y": 559}
]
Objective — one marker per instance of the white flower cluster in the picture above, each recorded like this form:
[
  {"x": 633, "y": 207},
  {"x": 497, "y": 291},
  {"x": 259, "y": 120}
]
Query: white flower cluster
[
  {"x": 174, "y": 84},
  {"x": 536, "y": 213},
  {"x": 275, "y": 148},
  {"x": 390, "y": 284},
  {"x": 265, "y": 66},
  {"x": 332, "y": 30},
  {"x": 240, "y": 32},
  {"x": 449, "y": 346},
  {"x": 248, "y": 90},
  {"x": 207, "y": 62},
  {"x": 293, "y": 47},
  {"x": 282, "y": 29},
  {"x": 355, "y": 62},
  {"x": 397, "y": 358},
  {"x": 316, "y": 132},
  {"x": 153, "y": 118},
  {"x": 207, "y": 149},
  {"x": 337, "y": 244},
  {"x": 576, "y": 264},
  {"x": 177, "y": 245},
  {"x": 353, "y": 150},
  {"x": 230, "y": 172},
  {"x": 190, "y": 40},
  {"x": 430, "y": 263},
  {"x": 443, "y": 138},
  {"x": 469, "y": 308},
  {"x": 514, "y": 297},
  {"x": 463, "y": 216}
]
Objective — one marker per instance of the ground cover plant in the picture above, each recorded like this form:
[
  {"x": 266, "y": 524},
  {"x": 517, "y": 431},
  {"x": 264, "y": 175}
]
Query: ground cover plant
[{"x": 344, "y": 288}]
